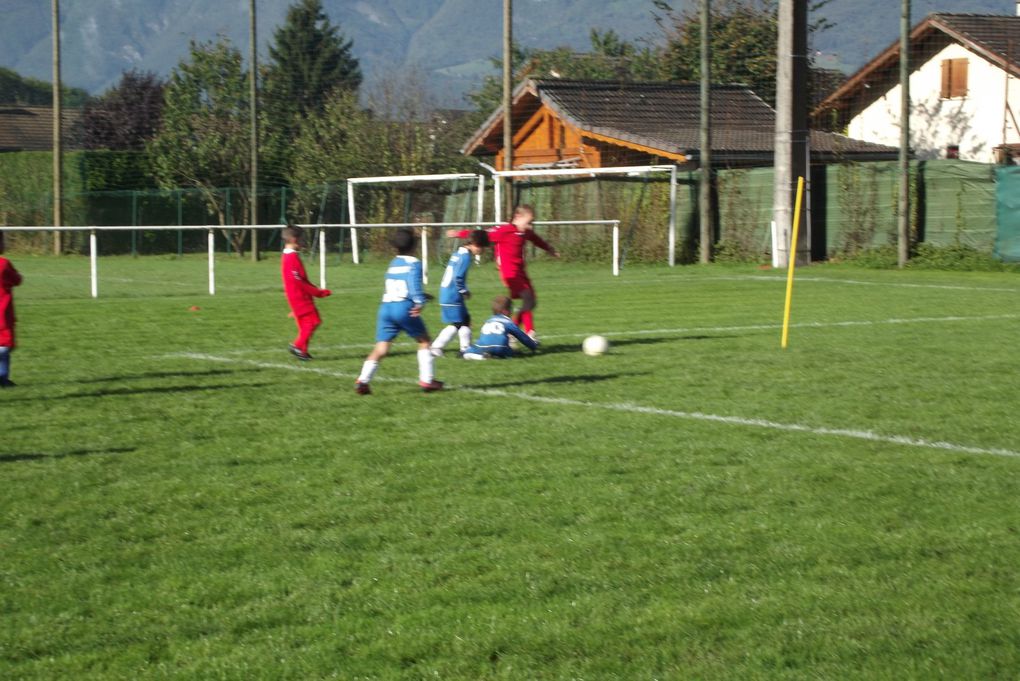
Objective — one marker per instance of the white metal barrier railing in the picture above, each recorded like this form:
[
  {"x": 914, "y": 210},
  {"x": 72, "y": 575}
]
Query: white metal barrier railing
[{"x": 211, "y": 240}]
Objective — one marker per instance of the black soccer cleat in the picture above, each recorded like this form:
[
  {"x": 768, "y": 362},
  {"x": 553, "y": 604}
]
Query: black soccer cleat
[
  {"x": 362, "y": 388},
  {"x": 299, "y": 353}
]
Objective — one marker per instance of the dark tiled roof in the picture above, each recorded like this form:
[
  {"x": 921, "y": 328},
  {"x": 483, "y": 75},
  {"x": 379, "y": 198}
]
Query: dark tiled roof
[
  {"x": 30, "y": 128},
  {"x": 998, "y": 35},
  {"x": 995, "y": 37},
  {"x": 666, "y": 116}
]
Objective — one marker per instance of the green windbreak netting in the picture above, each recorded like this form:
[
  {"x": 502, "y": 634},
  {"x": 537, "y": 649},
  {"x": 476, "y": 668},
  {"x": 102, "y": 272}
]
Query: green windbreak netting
[
  {"x": 1007, "y": 195},
  {"x": 956, "y": 203}
]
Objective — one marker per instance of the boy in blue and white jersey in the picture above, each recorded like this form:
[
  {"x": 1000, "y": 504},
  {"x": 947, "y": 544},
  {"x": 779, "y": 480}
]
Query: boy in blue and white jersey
[
  {"x": 400, "y": 310},
  {"x": 494, "y": 338},
  {"x": 453, "y": 294}
]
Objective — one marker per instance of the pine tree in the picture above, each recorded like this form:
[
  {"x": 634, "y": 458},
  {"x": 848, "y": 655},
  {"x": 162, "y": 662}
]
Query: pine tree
[{"x": 309, "y": 60}]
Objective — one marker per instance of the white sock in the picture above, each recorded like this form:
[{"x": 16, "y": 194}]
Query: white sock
[
  {"x": 425, "y": 359},
  {"x": 464, "y": 333},
  {"x": 368, "y": 370},
  {"x": 473, "y": 355},
  {"x": 444, "y": 337}
]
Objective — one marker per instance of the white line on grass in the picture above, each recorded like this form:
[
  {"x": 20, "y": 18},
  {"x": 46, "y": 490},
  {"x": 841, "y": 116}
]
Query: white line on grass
[
  {"x": 689, "y": 329},
  {"x": 860, "y": 282},
  {"x": 639, "y": 409},
  {"x": 802, "y": 325}
]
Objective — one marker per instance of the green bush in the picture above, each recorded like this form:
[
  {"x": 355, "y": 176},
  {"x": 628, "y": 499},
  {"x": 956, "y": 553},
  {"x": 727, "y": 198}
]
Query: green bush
[
  {"x": 876, "y": 258},
  {"x": 957, "y": 256}
]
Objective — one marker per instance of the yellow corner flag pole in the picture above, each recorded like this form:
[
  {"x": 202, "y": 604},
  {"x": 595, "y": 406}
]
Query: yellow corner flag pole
[{"x": 792, "y": 257}]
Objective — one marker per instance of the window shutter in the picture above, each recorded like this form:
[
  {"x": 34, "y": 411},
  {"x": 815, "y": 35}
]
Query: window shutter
[
  {"x": 947, "y": 70},
  {"x": 960, "y": 78}
]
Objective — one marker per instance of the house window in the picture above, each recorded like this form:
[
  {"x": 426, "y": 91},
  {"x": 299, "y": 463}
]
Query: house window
[
  {"x": 953, "y": 151},
  {"x": 954, "y": 78}
]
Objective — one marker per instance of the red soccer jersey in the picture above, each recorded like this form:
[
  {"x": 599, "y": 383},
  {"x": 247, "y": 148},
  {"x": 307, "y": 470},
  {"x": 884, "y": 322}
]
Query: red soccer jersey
[
  {"x": 296, "y": 286},
  {"x": 508, "y": 245},
  {"x": 9, "y": 278}
]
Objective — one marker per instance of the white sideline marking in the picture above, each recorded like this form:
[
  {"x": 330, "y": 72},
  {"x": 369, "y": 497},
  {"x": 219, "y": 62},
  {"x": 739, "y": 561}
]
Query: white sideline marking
[
  {"x": 690, "y": 329},
  {"x": 639, "y": 409},
  {"x": 802, "y": 325},
  {"x": 860, "y": 282}
]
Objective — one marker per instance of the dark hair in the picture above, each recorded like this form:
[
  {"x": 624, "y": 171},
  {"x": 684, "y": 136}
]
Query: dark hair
[
  {"x": 403, "y": 240},
  {"x": 501, "y": 304},
  {"x": 292, "y": 233},
  {"x": 480, "y": 238}
]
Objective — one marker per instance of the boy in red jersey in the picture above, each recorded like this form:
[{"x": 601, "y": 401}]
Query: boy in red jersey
[
  {"x": 299, "y": 291},
  {"x": 508, "y": 241},
  {"x": 9, "y": 278}
]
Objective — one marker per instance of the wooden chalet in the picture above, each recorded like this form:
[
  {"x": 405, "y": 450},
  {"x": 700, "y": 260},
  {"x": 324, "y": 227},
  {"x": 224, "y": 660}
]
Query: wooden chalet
[{"x": 592, "y": 124}]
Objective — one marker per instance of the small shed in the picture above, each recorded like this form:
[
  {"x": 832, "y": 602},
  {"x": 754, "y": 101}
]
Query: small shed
[{"x": 30, "y": 128}]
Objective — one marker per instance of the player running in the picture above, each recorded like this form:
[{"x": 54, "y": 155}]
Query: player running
[
  {"x": 453, "y": 294},
  {"x": 400, "y": 310},
  {"x": 508, "y": 241}
]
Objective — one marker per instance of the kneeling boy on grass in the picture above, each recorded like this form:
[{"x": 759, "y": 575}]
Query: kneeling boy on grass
[{"x": 494, "y": 340}]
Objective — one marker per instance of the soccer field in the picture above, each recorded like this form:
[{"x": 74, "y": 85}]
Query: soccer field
[{"x": 181, "y": 498}]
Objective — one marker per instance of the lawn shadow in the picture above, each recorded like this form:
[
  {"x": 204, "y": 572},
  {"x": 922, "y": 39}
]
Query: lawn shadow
[
  {"x": 12, "y": 458},
  {"x": 573, "y": 378},
  {"x": 160, "y": 374},
  {"x": 120, "y": 392},
  {"x": 556, "y": 348}
]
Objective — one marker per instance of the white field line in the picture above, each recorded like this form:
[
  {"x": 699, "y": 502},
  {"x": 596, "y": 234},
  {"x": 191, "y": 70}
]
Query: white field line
[
  {"x": 859, "y": 282},
  {"x": 687, "y": 329},
  {"x": 631, "y": 408},
  {"x": 801, "y": 325}
]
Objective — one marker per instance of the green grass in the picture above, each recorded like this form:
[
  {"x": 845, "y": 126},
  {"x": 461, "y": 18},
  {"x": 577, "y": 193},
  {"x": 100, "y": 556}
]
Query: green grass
[{"x": 244, "y": 516}]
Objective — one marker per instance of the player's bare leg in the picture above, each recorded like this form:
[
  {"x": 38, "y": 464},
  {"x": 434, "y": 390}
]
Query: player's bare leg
[{"x": 371, "y": 365}]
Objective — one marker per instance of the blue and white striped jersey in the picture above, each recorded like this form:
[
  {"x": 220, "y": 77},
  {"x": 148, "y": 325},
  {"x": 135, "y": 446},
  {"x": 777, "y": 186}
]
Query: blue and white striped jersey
[
  {"x": 495, "y": 335},
  {"x": 454, "y": 284},
  {"x": 403, "y": 281}
]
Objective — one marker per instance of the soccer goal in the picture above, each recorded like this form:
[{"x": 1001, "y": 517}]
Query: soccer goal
[
  {"x": 625, "y": 171},
  {"x": 414, "y": 200}
]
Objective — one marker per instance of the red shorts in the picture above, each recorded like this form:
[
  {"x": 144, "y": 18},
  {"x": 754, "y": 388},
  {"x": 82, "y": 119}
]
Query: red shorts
[{"x": 518, "y": 285}]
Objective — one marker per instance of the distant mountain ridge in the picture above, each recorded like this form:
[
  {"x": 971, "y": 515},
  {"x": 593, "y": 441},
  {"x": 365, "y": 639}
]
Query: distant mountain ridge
[{"x": 450, "y": 42}]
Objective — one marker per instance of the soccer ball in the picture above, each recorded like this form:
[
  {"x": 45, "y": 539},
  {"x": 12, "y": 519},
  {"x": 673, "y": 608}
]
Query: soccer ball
[{"x": 593, "y": 346}]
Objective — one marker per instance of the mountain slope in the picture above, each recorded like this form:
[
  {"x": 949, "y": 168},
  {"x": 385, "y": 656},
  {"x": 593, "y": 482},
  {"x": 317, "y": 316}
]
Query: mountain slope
[{"x": 449, "y": 41}]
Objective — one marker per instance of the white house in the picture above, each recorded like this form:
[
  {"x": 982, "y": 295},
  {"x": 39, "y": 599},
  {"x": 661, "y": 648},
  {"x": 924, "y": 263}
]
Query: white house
[{"x": 964, "y": 91}]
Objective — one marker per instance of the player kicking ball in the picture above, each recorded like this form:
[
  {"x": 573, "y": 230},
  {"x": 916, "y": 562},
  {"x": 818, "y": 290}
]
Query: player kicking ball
[
  {"x": 494, "y": 338},
  {"x": 400, "y": 310},
  {"x": 453, "y": 294},
  {"x": 508, "y": 241}
]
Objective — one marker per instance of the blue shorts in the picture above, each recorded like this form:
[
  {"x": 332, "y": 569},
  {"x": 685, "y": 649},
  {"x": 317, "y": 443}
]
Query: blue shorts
[
  {"x": 396, "y": 317},
  {"x": 455, "y": 313}
]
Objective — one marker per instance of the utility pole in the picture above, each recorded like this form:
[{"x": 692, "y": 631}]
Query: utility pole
[
  {"x": 253, "y": 106},
  {"x": 904, "y": 204},
  {"x": 791, "y": 145},
  {"x": 705, "y": 197},
  {"x": 508, "y": 70},
  {"x": 58, "y": 151}
]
